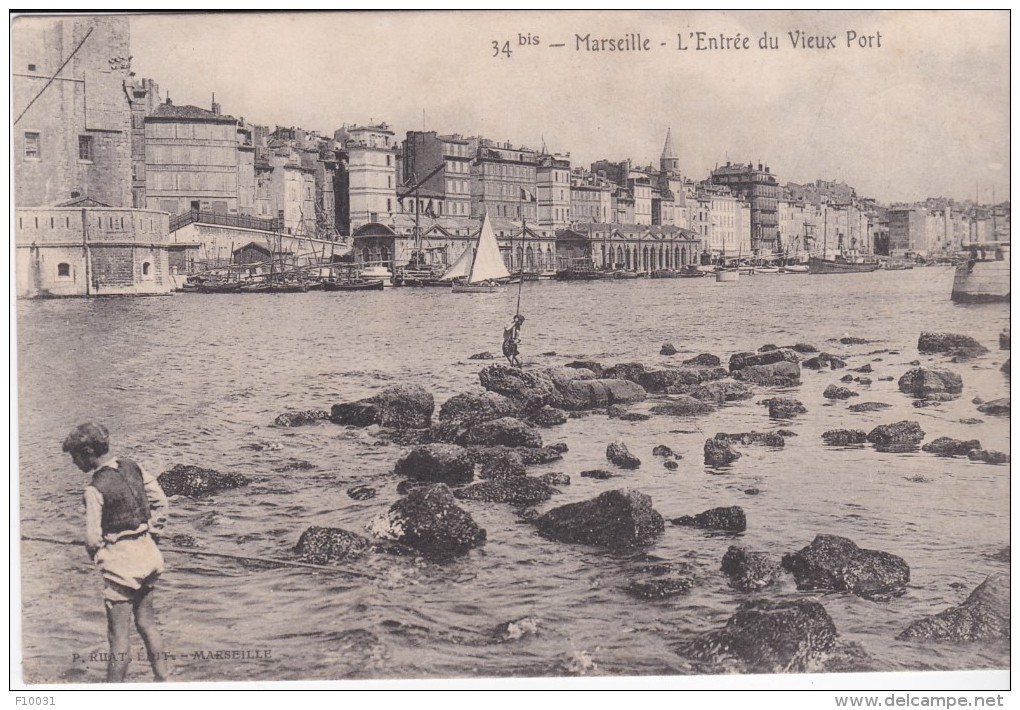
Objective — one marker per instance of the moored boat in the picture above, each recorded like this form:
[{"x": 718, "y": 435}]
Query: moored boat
[
  {"x": 483, "y": 262},
  {"x": 818, "y": 265},
  {"x": 727, "y": 275},
  {"x": 983, "y": 281},
  {"x": 357, "y": 285},
  {"x": 378, "y": 273}
]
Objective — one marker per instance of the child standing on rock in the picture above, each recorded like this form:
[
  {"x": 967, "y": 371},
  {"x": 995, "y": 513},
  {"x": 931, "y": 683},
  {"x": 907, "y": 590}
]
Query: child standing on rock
[
  {"x": 125, "y": 510},
  {"x": 511, "y": 339}
]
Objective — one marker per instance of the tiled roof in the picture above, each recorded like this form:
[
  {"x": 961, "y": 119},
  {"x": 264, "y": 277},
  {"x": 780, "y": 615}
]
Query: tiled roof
[{"x": 189, "y": 113}]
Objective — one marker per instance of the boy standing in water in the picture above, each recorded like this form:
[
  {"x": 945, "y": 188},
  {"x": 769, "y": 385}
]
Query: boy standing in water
[
  {"x": 125, "y": 510},
  {"x": 511, "y": 338}
]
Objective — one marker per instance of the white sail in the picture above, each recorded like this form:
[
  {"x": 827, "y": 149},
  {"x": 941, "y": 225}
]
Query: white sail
[
  {"x": 488, "y": 263},
  {"x": 461, "y": 267}
]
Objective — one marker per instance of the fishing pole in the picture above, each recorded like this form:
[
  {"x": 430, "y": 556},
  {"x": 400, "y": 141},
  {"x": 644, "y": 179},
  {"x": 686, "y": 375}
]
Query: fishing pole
[{"x": 221, "y": 555}]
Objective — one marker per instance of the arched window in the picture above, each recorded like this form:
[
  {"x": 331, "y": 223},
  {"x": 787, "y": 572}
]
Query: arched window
[
  {"x": 146, "y": 268},
  {"x": 64, "y": 270}
]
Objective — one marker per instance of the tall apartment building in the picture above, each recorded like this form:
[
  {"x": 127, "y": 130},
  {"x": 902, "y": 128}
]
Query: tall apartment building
[
  {"x": 445, "y": 160},
  {"x": 590, "y": 197},
  {"x": 503, "y": 178},
  {"x": 553, "y": 190},
  {"x": 72, "y": 119},
  {"x": 760, "y": 188},
  {"x": 371, "y": 174}
]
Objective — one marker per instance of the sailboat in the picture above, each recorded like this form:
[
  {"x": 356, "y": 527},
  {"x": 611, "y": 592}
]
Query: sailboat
[{"x": 479, "y": 266}]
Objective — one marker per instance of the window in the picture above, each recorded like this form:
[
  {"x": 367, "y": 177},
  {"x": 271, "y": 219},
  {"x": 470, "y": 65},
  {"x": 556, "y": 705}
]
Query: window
[
  {"x": 31, "y": 67},
  {"x": 64, "y": 271},
  {"x": 387, "y": 161},
  {"x": 32, "y": 146},
  {"x": 145, "y": 268},
  {"x": 85, "y": 148}
]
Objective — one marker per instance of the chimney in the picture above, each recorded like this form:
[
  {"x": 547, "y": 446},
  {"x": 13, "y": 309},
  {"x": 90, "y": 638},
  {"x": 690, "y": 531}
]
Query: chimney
[{"x": 215, "y": 106}]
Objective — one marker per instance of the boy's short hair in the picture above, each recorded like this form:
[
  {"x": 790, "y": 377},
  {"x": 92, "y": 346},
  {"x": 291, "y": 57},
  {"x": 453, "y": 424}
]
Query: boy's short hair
[{"x": 88, "y": 436}]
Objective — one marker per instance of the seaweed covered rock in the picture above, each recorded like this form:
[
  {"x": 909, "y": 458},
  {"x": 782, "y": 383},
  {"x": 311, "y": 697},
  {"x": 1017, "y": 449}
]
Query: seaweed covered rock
[
  {"x": 194, "y": 481},
  {"x": 719, "y": 453},
  {"x": 502, "y": 465},
  {"x": 868, "y": 407},
  {"x": 750, "y": 571},
  {"x": 844, "y": 437},
  {"x": 674, "y": 379},
  {"x": 996, "y": 407},
  {"x": 836, "y": 563},
  {"x": 619, "y": 518},
  {"x": 472, "y": 408},
  {"x": 599, "y": 474},
  {"x": 663, "y": 581},
  {"x": 729, "y": 519},
  {"x": 834, "y": 392},
  {"x": 519, "y": 491},
  {"x": 779, "y": 374},
  {"x": 984, "y": 615},
  {"x": 923, "y": 382},
  {"x": 532, "y": 389},
  {"x": 529, "y": 457},
  {"x": 704, "y": 360},
  {"x": 960, "y": 346},
  {"x": 625, "y": 371},
  {"x": 323, "y": 545},
  {"x": 904, "y": 432},
  {"x": 618, "y": 454},
  {"x": 993, "y": 457},
  {"x": 555, "y": 478},
  {"x": 303, "y": 418},
  {"x": 822, "y": 361},
  {"x": 784, "y": 407},
  {"x": 747, "y": 438},
  {"x": 739, "y": 361},
  {"x": 429, "y": 521},
  {"x": 681, "y": 406},
  {"x": 586, "y": 365},
  {"x": 506, "y": 431},
  {"x": 580, "y": 395},
  {"x": 719, "y": 392},
  {"x": 770, "y": 637},
  {"x": 945, "y": 446},
  {"x": 437, "y": 463},
  {"x": 548, "y": 416},
  {"x": 668, "y": 349},
  {"x": 663, "y": 450},
  {"x": 406, "y": 406}
]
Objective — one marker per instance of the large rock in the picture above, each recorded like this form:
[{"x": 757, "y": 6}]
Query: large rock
[
  {"x": 993, "y": 457},
  {"x": 923, "y": 382},
  {"x": 770, "y": 637},
  {"x": 520, "y": 491},
  {"x": 506, "y": 431},
  {"x": 996, "y": 407},
  {"x": 624, "y": 371},
  {"x": 836, "y": 563},
  {"x": 579, "y": 395},
  {"x": 720, "y": 392},
  {"x": 618, "y": 454},
  {"x": 904, "y": 432},
  {"x": 719, "y": 453},
  {"x": 616, "y": 519},
  {"x": 844, "y": 437},
  {"x": 395, "y": 407},
  {"x": 784, "y": 407},
  {"x": 547, "y": 417},
  {"x": 586, "y": 365},
  {"x": 194, "y": 482},
  {"x": 730, "y": 519},
  {"x": 822, "y": 361},
  {"x": 984, "y": 615},
  {"x": 308, "y": 416},
  {"x": 739, "y": 361},
  {"x": 704, "y": 360},
  {"x": 437, "y": 463},
  {"x": 676, "y": 378},
  {"x": 869, "y": 407},
  {"x": 532, "y": 389},
  {"x": 681, "y": 406},
  {"x": 429, "y": 521},
  {"x": 502, "y": 467},
  {"x": 750, "y": 571},
  {"x": 560, "y": 376},
  {"x": 474, "y": 408},
  {"x": 779, "y": 374},
  {"x": 961, "y": 346},
  {"x": 945, "y": 446},
  {"x": 668, "y": 349},
  {"x": 323, "y": 545},
  {"x": 834, "y": 392}
]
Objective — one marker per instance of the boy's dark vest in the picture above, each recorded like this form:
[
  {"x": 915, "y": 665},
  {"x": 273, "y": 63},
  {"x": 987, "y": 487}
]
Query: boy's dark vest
[{"x": 125, "y": 505}]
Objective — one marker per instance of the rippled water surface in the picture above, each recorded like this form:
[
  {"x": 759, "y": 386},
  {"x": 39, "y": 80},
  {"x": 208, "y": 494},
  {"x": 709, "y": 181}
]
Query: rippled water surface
[{"x": 198, "y": 379}]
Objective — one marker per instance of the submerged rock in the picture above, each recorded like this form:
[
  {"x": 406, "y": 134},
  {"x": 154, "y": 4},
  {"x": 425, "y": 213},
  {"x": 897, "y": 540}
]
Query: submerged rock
[
  {"x": 481, "y": 356},
  {"x": 834, "y": 392},
  {"x": 506, "y": 431},
  {"x": 720, "y": 391},
  {"x": 961, "y": 346},
  {"x": 864, "y": 369},
  {"x": 869, "y": 407},
  {"x": 555, "y": 478},
  {"x": 852, "y": 340},
  {"x": 323, "y": 545},
  {"x": 746, "y": 438},
  {"x": 996, "y": 407},
  {"x": 681, "y": 406},
  {"x": 780, "y": 374},
  {"x": 750, "y": 571},
  {"x": 617, "y": 519},
  {"x": 361, "y": 492},
  {"x": 513, "y": 630},
  {"x": 770, "y": 637},
  {"x": 904, "y": 432},
  {"x": 719, "y": 453},
  {"x": 599, "y": 474},
  {"x": 194, "y": 481},
  {"x": 429, "y": 521},
  {"x": 984, "y": 615},
  {"x": 668, "y": 349},
  {"x": 924, "y": 382},
  {"x": 993, "y": 457},
  {"x": 822, "y": 361},
  {"x": 945, "y": 446},
  {"x": 1004, "y": 339},
  {"x": 634, "y": 417},
  {"x": 548, "y": 416},
  {"x": 676, "y": 379},
  {"x": 844, "y": 437},
  {"x": 586, "y": 365},
  {"x": 729, "y": 519},
  {"x": 520, "y": 491},
  {"x": 580, "y": 395},
  {"x": 528, "y": 456},
  {"x": 1005, "y": 368},
  {"x": 662, "y": 450},
  {"x": 503, "y": 465},
  {"x": 308, "y": 416},
  {"x": 671, "y": 465},
  {"x": 704, "y": 360},
  {"x": 739, "y": 361},
  {"x": 618, "y": 454},
  {"x": 667, "y": 581},
  {"x": 836, "y": 563},
  {"x": 784, "y": 407},
  {"x": 446, "y": 463}
]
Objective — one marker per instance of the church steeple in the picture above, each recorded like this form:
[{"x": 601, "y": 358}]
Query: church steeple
[{"x": 668, "y": 162}]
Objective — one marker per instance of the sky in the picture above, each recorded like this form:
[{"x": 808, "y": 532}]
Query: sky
[{"x": 924, "y": 114}]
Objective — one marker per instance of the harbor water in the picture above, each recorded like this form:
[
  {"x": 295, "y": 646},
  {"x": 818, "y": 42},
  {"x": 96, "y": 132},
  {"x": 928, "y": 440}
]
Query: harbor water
[{"x": 198, "y": 379}]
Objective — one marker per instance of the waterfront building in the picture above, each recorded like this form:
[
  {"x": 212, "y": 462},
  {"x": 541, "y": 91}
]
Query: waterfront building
[
  {"x": 590, "y": 197},
  {"x": 503, "y": 179},
  {"x": 628, "y": 247},
  {"x": 553, "y": 190},
  {"x": 908, "y": 231},
  {"x": 71, "y": 131},
  {"x": 371, "y": 174},
  {"x": 446, "y": 192},
  {"x": 760, "y": 188}
]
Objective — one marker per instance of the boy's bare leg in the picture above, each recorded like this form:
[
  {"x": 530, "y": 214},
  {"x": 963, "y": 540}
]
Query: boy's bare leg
[
  {"x": 118, "y": 621},
  {"x": 145, "y": 622}
]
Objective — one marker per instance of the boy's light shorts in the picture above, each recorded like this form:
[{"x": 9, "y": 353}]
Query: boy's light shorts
[{"x": 129, "y": 565}]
